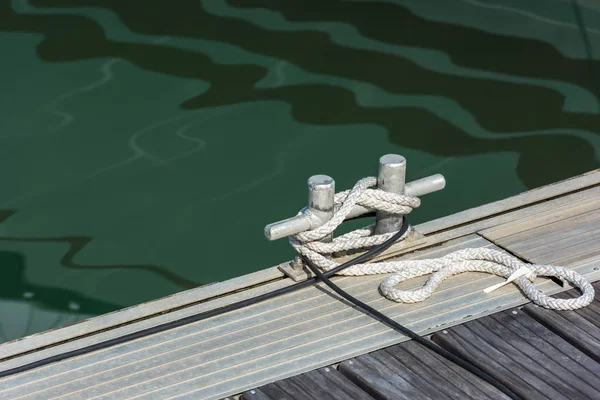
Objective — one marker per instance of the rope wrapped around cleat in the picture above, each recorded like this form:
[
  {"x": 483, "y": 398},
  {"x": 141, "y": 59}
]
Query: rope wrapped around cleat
[{"x": 310, "y": 244}]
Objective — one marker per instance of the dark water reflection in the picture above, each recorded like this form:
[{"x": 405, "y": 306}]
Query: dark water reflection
[{"x": 143, "y": 136}]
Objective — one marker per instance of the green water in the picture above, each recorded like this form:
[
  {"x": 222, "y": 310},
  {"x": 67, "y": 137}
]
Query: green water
[{"x": 136, "y": 136}]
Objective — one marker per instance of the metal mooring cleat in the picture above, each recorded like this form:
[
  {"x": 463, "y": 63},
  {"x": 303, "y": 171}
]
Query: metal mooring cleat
[{"x": 321, "y": 192}]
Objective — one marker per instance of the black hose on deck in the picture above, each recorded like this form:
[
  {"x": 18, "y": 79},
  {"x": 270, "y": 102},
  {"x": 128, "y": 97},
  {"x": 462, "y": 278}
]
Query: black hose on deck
[
  {"x": 288, "y": 289},
  {"x": 206, "y": 314},
  {"x": 413, "y": 335}
]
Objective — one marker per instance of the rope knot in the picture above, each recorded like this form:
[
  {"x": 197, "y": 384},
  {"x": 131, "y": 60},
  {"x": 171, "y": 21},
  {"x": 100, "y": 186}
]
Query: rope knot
[{"x": 310, "y": 245}]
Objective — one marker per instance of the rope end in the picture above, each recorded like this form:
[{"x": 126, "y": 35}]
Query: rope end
[{"x": 523, "y": 271}]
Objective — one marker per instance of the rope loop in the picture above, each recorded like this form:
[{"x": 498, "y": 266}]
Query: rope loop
[{"x": 310, "y": 245}]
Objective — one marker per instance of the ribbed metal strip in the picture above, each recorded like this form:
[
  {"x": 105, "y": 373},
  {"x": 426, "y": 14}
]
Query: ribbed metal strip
[
  {"x": 262, "y": 343},
  {"x": 301, "y": 331}
]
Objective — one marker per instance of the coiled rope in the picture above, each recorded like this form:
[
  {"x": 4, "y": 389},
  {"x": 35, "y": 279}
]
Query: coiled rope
[{"x": 310, "y": 244}]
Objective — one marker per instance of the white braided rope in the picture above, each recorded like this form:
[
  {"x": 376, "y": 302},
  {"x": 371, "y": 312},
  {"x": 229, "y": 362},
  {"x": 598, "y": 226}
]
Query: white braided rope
[{"x": 308, "y": 244}]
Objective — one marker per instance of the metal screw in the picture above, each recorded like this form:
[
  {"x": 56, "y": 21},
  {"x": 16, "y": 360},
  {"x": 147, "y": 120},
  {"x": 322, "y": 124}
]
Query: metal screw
[
  {"x": 253, "y": 392},
  {"x": 514, "y": 312},
  {"x": 444, "y": 332},
  {"x": 327, "y": 370},
  {"x": 297, "y": 263},
  {"x": 391, "y": 178}
]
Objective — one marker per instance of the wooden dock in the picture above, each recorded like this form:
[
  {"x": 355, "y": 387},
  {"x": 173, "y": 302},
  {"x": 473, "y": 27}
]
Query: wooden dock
[
  {"x": 297, "y": 345},
  {"x": 537, "y": 353}
]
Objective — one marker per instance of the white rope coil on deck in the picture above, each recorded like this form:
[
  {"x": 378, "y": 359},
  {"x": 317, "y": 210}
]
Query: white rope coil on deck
[{"x": 309, "y": 245}]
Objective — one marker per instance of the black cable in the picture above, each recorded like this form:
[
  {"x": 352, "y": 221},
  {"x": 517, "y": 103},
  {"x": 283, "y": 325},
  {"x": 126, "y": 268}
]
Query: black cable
[
  {"x": 285, "y": 290},
  {"x": 413, "y": 335},
  {"x": 204, "y": 315}
]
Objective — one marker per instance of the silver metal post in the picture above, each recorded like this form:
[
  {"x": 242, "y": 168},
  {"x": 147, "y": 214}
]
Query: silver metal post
[
  {"x": 321, "y": 193},
  {"x": 304, "y": 222},
  {"x": 321, "y": 196},
  {"x": 288, "y": 227},
  {"x": 417, "y": 188},
  {"x": 391, "y": 178}
]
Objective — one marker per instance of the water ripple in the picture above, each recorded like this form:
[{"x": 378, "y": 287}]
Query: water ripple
[
  {"x": 529, "y": 15},
  {"x": 51, "y": 107}
]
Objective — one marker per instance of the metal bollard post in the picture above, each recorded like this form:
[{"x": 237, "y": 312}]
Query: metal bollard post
[
  {"x": 320, "y": 209},
  {"x": 391, "y": 178},
  {"x": 304, "y": 222},
  {"x": 321, "y": 194}
]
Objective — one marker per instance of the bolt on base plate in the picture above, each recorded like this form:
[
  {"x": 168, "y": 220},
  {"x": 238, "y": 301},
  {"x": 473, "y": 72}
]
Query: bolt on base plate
[{"x": 297, "y": 274}]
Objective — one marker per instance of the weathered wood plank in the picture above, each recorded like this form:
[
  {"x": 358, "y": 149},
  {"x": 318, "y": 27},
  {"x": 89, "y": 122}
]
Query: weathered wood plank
[
  {"x": 257, "y": 394},
  {"x": 531, "y": 225},
  {"x": 348, "y": 386},
  {"x": 525, "y": 356},
  {"x": 409, "y": 370},
  {"x": 543, "y": 233},
  {"x": 439, "y": 371},
  {"x": 271, "y": 390},
  {"x": 571, "y": 327},
  {"x": 567, "y": 240},
  {"x": 378, "y": 380},
  {"x": 592, "y": 311},
  {"x": 581, "y": 327},
  {"x": 502, "y": 206},
  {"x": 565, "y": 235},
  {"x": 570, "y": 256},
  {"x": 422, "y": 382},
  {"x": 319, "y": 385},
  {"x": 292, "y": 389},
  {"x": 324, "y": 383}
]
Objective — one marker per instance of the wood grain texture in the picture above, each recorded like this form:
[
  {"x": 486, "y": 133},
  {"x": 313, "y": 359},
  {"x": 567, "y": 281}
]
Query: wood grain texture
[
  {"x": 439, "y": 371},
  {"x": 410, "y": 371},
  {"x": 272, "y": 391},
  {"x": 324, "y": 383},
  {"x": 525, "y": 356},
  {"x": 257, "y": 394},
  {"x": 563, "y": 235},
  {"x": 581, "y": 327},
  {"x": 380, "y": 381}
]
